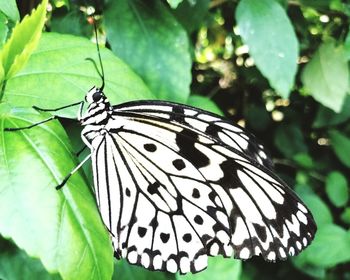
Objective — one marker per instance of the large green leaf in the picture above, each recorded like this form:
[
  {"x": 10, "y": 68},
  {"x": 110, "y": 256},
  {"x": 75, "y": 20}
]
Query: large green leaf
[
  {"x": 341, "y": 146},
  {"x": 204, "y": 103},
  {"x": 218, "y": 268},
  {"x": 337, "y": 188},
  {"x": 9, "y": 8},
  {"x": 58, "y": 74},
  {"x": 62, "y": 228},
  {"x": 125, "y": 271},
  {"x": 149, "y": 39},
  {"x": 16, "y": 264},
  {"x": 24, "y": 39},
  {"x": 268, "y": 32},
  {"x": 330, "y": 247},
  {"x": 318, "y": 208},
  {"x": 326, "y": 76}
]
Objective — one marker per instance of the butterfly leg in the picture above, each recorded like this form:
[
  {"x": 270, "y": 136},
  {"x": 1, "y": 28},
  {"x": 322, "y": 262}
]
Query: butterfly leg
[
  {"x": 30, "y": 126},
  {"x": 71, "y": 173},
  {"x": 59, "y": 108}
]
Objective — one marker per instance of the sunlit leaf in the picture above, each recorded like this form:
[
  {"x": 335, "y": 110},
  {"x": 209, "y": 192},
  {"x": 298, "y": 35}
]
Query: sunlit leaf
[
  {"x": 62, "y": 228},
  {"x": 9, "y": 8},
  {"x": 69, "y": 76},
  {"x": 268, "y": 32},
  {"x": 24, "y": 39},
  {"x": 326, "y": 76},
  {"x": 204, "y": 103}
]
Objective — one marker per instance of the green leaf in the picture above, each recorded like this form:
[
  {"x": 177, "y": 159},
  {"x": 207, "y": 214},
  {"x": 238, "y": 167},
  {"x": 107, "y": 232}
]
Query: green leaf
[
  {"x": 204, "y": 103},
  {"x": 304, "y": 160},
  {"x": 345, "y": 216},
  {"x": 70, "y": 22},
  {"x": 62, "y": 228},
  {"x": 318, "y": 208},
  {"x": 125, "y": 271},
  {"x": 341, "y": 146},
  {"x": 257, "y": 117},
  {"x": 318, "y": 4},
  {"x": 327, "y": 117},
  {"x": 289, "y": 140},
  {"x": 330, "y": 247},
  {"x": 23, "y": 41},
  {"x": 16, "y": 264},
  {"x": 337, "y": 188},
  {"x": 191, "y": 16},
  {"x": 9, "y": 8},
  {"x": 148, "y": 38},
  {"x": 218, "y": 268},
  {"x": 326, "y": 76},
  {"x": 174, "y": 3},
  {"x": 347, "y": 46},
  {"x": 69, "y": 76},
  {"x": 268, "y": 32},
  {"x": 3, "y": 30}
]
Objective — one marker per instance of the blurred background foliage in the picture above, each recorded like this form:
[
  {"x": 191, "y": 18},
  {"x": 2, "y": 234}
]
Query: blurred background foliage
[{"x": 278, "y": 67}]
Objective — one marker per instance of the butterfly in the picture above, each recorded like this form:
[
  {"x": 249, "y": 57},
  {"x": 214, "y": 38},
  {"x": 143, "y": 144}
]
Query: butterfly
[{"x": 175, "y": 184}]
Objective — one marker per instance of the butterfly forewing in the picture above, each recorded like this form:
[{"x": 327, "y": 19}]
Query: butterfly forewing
[
  {"x": 202, "y": 122},
  {"x": 176, "y": 184}
]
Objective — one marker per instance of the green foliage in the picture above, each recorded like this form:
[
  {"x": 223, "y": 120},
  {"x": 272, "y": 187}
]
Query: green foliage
[
  {"x": 24, "y": 39},
  {"x": 166, "y": 67},
  {"x": 337, "y": 189},
  {"x": 74, "y": 237},
  {"x": 242, "y": 59},
  {"x": 217, "y": 267},
  {"x": 268, "y": 32},
  {"x": 328, "y": 64}
]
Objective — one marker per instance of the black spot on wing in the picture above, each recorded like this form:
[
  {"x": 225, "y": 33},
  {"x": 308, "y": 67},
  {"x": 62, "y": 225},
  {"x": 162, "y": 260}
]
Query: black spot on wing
[
  {"x": 179, "y": 164},
  {"x": 213, "y": 130},
  {"x": 195, "y": 193},
  {"x": 186, "y": 140},
  {"x": 164, "y": 237},
  {"x": 142, "y": 231},
  {"x": 153, "y": 188},
  {"x": 150, "y": 147},
  {"x": 198, "y": 220}
]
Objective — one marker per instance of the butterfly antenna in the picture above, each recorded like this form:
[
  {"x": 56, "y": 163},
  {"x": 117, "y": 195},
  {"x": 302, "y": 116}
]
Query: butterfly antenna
[{"x": 102, "y": 73}]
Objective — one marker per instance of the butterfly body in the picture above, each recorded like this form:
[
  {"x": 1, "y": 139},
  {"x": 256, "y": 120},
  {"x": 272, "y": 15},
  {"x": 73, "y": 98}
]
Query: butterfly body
[{"x": 175, "y": 184}]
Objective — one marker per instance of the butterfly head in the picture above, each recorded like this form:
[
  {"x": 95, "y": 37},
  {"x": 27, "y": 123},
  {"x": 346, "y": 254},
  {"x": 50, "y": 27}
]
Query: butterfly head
[
  {"x": 95, "y": 95},
  {"x": 98, "y": 107}
]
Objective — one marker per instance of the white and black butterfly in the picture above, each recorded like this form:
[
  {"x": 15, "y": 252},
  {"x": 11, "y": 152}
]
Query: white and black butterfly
[{"x": 175, "y": 184}]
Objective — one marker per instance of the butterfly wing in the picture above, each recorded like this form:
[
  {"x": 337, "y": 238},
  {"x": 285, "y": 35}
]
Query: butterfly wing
[
  {"x": 171, "y": 195},
  {"x": 201, "y": 122}
]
